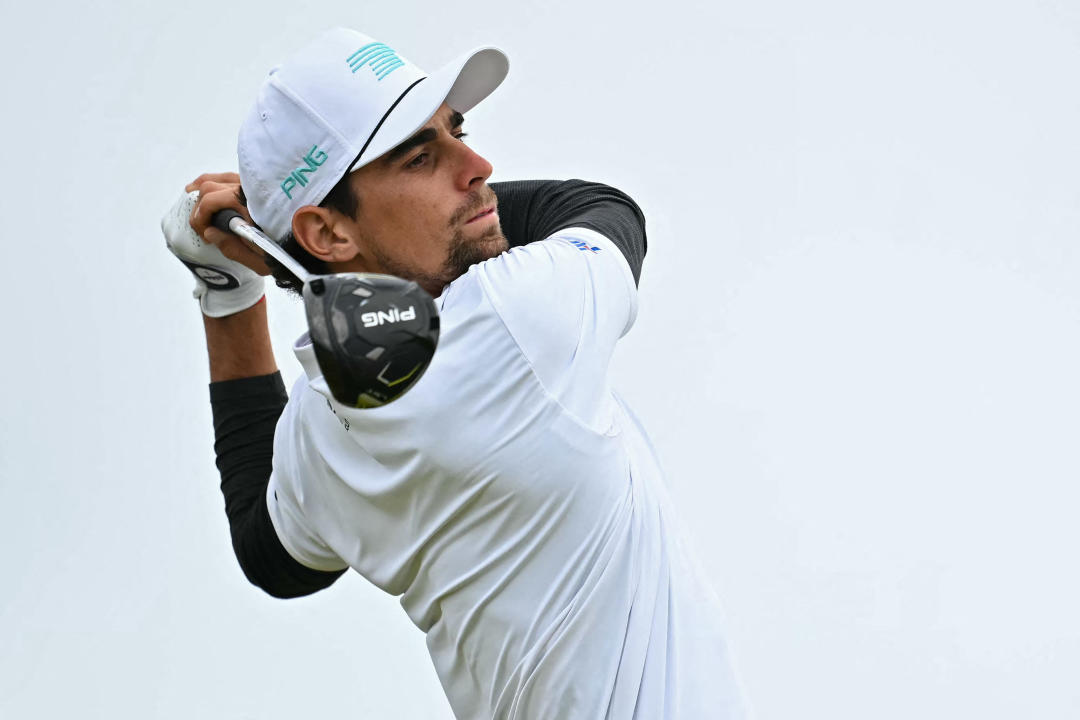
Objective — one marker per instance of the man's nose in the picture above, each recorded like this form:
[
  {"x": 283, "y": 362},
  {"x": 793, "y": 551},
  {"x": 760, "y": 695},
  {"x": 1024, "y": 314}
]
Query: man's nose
[{"x": 473, "y": 169}]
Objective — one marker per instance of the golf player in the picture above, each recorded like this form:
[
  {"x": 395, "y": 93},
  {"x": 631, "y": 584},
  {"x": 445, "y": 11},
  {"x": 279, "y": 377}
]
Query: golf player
[{"x": 510, "y": 499}]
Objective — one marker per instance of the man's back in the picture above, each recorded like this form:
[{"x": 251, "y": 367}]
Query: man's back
[{"x": 514, "y": 503}]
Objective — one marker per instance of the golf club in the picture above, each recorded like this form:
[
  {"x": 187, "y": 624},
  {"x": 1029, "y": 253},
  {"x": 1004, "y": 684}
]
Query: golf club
[{"x": 374, "y": 335}]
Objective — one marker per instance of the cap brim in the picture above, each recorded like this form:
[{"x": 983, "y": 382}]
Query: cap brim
[{"x": 461, "y": 84}]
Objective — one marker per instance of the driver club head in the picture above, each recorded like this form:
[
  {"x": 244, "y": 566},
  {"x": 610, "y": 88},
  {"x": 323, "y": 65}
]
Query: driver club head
[{"x": 374, "y": 335}]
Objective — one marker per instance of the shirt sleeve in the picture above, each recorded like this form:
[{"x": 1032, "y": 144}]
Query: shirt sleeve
[{"x": 246, "y": 412}]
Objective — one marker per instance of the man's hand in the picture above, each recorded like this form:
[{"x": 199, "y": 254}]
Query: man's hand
[
  {"x": 220, "y": 191},
  {"x": 224, "y": 286}
]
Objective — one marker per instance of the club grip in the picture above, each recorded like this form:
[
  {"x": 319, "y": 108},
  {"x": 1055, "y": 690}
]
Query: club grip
[{"x": 222, "y": 218}]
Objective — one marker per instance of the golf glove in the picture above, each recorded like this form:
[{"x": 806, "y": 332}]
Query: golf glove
[{"x": 223, "y": 286}]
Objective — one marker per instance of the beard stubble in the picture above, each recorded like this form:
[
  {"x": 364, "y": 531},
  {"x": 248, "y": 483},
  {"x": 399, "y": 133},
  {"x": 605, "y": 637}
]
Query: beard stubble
[{"x": 462, "y": 252}]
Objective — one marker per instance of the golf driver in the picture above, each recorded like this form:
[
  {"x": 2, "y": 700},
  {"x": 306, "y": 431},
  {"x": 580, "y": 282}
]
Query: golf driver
[{"x": 374, "y": 335}]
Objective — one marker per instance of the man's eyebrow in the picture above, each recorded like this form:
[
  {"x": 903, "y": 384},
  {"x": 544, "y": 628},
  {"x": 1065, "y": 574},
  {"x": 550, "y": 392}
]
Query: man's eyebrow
[{"x": 424, "y": 136}]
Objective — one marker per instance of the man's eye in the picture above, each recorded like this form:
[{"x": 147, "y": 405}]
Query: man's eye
[
  {"x": 462, "y": 136},
  {"x": 417, "y": 161}
]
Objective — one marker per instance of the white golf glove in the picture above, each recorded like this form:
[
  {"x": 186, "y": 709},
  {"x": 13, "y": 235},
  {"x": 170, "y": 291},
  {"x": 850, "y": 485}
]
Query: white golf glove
[{"x": 223, "y": 286}]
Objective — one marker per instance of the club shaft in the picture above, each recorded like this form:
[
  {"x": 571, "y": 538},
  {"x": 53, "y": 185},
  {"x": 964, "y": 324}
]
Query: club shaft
[{"x": 241, "y": 228}]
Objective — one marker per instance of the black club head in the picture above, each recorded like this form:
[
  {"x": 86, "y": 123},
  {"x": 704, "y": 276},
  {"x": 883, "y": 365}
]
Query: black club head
[{"x": 374, "y": 335}]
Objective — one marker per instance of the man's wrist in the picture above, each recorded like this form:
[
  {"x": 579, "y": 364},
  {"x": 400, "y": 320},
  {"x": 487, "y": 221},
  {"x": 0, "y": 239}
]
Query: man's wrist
[
  {"x": 222, "y": 303},
  {"x": 239, "y": 344}
]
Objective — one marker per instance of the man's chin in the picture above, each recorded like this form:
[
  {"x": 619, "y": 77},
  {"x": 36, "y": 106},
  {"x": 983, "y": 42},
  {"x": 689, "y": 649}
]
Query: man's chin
[
  {"x": 467, "y": 252},
  {"x": 496, "y": 242}
]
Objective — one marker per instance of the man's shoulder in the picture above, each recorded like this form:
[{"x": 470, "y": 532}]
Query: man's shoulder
[
  {"x": 568, "y": 266},
  {"x": 544, "y": 262}
]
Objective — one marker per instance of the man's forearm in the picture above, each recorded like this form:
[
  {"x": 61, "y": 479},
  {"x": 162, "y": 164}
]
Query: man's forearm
[
  {"x": 247, "y": 398},
  {"x": 239, "y": 344},
  {"x": 531, "y": 210}
]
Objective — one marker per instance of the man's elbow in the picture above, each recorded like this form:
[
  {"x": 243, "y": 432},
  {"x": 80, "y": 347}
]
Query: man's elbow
[{"x": 268, "y": 566}]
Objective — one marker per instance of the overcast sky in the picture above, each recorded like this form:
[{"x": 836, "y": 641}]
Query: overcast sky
[{"x": 858, "y": 346}]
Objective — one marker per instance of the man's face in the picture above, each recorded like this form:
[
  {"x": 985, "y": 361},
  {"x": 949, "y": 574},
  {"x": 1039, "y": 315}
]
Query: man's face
[{"x": 426, "y": 212}]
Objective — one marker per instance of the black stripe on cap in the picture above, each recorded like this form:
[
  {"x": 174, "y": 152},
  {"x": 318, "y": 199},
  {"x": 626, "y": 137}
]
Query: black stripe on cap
[{"x": 382, "y": 120}]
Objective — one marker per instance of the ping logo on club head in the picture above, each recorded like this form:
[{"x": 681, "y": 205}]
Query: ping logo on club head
[
  {"x": 314, "y": 158},
  {"x": 393, "y": 315},
  {"x": 583, "y": 246},
  {"x": 379, "y": 57}
]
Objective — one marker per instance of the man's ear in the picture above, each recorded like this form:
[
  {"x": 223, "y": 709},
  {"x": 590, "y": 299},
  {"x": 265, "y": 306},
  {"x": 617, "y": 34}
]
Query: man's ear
[{"x": 318, "y": 233}]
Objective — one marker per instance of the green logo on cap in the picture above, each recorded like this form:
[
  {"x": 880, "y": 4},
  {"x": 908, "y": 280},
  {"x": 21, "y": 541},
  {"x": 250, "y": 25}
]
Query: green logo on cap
[
  {"x": 379, "y": 57},
  {"x": 312, "y": 160}
]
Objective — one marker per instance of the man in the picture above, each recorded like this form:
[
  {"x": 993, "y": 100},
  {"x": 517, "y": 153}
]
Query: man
[{"x": 509, "y": 498}]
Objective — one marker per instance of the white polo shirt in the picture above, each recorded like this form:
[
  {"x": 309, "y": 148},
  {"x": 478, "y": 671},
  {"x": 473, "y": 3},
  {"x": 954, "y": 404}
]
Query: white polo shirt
[{"x": 514, "y": 503}]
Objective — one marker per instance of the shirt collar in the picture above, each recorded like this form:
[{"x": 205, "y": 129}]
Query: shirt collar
[{"x": 305, "y": 353}]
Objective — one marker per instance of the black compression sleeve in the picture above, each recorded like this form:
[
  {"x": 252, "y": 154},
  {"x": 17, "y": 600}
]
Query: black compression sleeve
[
  {"x": 531, "y": 210},
  {"x": 246, "y": 412}
]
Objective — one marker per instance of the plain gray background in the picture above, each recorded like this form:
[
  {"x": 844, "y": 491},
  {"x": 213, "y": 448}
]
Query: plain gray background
[{"x": 857, "y": 347}]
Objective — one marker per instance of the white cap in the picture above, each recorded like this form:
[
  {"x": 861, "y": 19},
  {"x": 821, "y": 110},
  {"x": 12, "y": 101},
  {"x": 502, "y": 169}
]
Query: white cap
[{"x": 335, "y": 106}]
